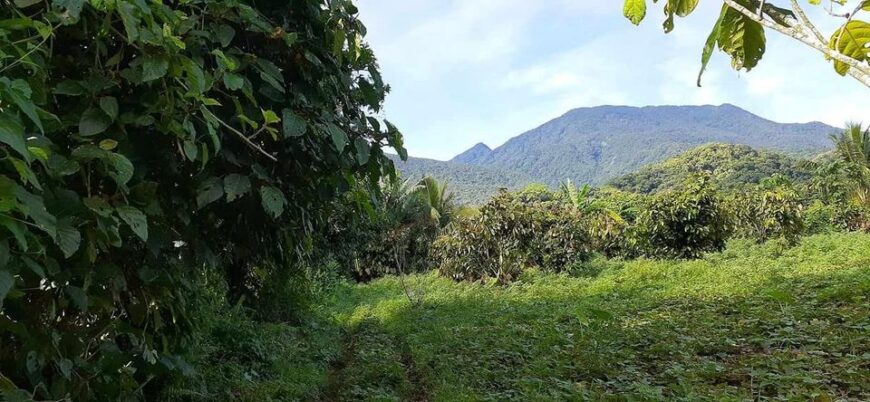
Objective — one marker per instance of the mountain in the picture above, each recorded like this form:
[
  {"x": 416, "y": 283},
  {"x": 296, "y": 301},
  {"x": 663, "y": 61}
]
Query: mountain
[
  {"x": 478, "y": 152},
  {"x": 471, "y": 184},
  {"x": 594, "y": 145},
  {"x": 730, "y": 166}
]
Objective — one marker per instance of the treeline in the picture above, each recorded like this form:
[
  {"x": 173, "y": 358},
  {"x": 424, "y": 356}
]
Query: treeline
[
  {"x": 730, "y": 166},
  {"x": 560, "y": 230}
]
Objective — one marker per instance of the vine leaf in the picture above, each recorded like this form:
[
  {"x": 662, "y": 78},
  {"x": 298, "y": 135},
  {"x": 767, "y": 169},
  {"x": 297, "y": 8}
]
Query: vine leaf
[
  {"x": 134, "y": 218},
  {"x": 235, "y": 186},
  {"x": 93, "y": 122},
  {"x": 273, "y": 201},
  {"x": 12, "y": 134}
]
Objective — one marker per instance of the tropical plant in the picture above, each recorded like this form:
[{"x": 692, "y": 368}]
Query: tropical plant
[
  {"x": 509, "y": 233},
  {"x": 772, "y": 210},
  {"x": 853, "y": 147},
  {"x": 684, "y": 223},
  {"x": 144, "y": 140},
  {"x": 740, "y": 31},
  {"x": 437, "y": 198}
]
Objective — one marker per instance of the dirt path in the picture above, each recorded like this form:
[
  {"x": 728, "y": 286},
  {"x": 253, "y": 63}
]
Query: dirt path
[{"x": 374, "y": 363}]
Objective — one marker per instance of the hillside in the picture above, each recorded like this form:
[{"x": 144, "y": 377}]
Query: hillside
[
  {"x": 730, "y": 166},
  {"x": 470, "y": 183},
  {"x": 594, "y": 145}
]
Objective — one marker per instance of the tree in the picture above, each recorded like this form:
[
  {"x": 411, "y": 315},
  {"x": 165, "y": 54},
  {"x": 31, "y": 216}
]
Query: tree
[
  {"x": 740, "y": 31},
  {"x": 853, "y": 147},
  {"x": 145, "y": 140},
  {"x": 437, "y": 199}
]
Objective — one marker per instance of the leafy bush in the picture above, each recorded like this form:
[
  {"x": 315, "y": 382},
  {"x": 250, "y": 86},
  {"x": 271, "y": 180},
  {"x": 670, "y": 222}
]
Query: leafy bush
[
  {"x": 774, "y": 210},
  {"x": 509, "y": 233},
  {"x": 685, "y": 223},
  {"x": 145, "y": 140},
  {"x": 394, "y": 235}
]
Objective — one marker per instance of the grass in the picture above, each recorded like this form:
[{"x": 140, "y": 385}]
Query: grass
[{"x": 753, "y": 322}]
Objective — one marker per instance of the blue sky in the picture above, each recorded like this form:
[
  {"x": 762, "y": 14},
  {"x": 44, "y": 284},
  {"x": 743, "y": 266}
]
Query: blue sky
[{"x": 469, "y": 71}]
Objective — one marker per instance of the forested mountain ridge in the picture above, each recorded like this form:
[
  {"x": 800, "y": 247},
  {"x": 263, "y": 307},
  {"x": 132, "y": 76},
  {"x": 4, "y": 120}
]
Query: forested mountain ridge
[
  {"x": 594, "y": 145},
  {"x": 730, "y": 166},
  {"x": 470, "y": 184}
]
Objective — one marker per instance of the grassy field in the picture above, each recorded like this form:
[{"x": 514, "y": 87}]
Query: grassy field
[{"x": 753, "y": 322}]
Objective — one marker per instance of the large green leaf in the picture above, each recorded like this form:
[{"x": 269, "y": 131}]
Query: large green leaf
[
  {"x": 34, "y": 207},
  {"x": 154, "y": 67},
  {"x": 134, "y": 218},
  {"x": 109, "y": 105},
  {"x": 634, "y": 10},
  {"x": 236, "y": 185},
  {"x": 712, "y": 39},
  {"x": 233, "y": 81},
  {"x": 851, "y": 40},
  {"x": 209, "y": 191},
  {"x": 292, "y": 124},
  {"x": 273, "y": 201},
  {"x": 68, "y": 238},
  {"x": 123, "y": 168},
  {"x": 339, "y": 137},
  {"x": 93, "y": 122},
  {"x": 741, "y": 38},
  {"x": 363, "y": 151},
  {"x": 12, "y": 134}
]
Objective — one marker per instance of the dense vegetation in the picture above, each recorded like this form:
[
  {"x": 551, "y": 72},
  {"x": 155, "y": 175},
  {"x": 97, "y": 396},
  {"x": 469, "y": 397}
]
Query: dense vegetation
[
  {"x": 187, "y": 190},
  {"x": 147, "y": 144},
  {"x": 730, "y": 167},
  {"x": 752, "y": 322}
]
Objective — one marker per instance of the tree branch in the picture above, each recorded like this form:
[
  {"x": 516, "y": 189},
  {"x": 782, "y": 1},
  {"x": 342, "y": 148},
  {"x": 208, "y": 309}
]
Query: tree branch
[
  {"x": 242, "y": 136},
  {"x": 858, "y": 70},
  {"x": 806, "y": 21}
]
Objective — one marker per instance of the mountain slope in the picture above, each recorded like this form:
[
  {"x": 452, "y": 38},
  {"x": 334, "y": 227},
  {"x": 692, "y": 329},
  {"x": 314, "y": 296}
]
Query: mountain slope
[
  {"x": 471, "y": 184},
  {"x": 730, "y": 166},
  {"x": 478, "y": 152},
  {"x": 593, "y": 145}
]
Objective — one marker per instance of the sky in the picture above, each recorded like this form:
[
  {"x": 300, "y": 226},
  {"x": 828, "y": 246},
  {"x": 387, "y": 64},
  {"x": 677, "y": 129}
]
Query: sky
[{"x": 469, "y": 71}]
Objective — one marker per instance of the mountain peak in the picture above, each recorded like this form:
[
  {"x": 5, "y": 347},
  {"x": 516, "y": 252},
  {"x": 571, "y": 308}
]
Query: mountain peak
[{"x": 474, "y": 155}]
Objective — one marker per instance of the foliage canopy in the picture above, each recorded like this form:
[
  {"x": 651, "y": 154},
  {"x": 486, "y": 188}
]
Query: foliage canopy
[{"x": 142, "y": 140}]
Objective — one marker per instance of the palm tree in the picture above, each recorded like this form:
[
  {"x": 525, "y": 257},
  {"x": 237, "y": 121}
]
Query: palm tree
[
  {"x": 436, "y": 197},
  {"x": 853, "y": 147},
  {"x": 581, "y": 200}
]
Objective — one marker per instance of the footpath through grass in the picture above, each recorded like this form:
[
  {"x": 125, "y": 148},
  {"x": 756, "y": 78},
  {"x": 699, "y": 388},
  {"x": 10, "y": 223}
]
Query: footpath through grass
[{"x": 753, "y": 322}]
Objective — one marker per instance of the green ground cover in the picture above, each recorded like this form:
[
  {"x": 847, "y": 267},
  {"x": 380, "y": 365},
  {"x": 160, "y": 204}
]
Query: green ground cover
[{"x": 752, "y": 322}]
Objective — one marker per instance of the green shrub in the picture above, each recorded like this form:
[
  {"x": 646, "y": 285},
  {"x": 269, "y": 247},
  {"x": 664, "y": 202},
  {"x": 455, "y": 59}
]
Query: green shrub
[
  {"x": 509, "y": 233},
  {"x": 773, "y": 210},
  {"x": 684, "y": 223}
]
